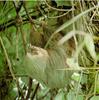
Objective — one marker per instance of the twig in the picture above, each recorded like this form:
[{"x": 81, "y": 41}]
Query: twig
[
  {"x": 29, "y": 88},
  {"x": 61, "y": 15},
  {"x": 41, "y": 98},
  {"x": 7, "y": 58},
  {"x": 96, "y": 78},
  {"x": 23, "y": 38},
  {"x": 27, "y": 13},
  {"x": 20, "y": 22},
  {"x": 12, "y": 22},
  {"x": 56, "y": 8},
  {"x": 35, "y": 91},
  {"x": 80, "y": 68},
  {"x": 9, "y": 65},
  {"x": 89, "y": 96},
  {"x": 18, "y": 7},
  {"x": 17, "y": 54}
]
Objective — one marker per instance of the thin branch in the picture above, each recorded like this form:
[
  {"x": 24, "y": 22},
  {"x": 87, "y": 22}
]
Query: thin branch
[
  {"x": 9, "y": 63},
  {"x": 89, "y": 96},
  {"x": 10, "y": 68},
  {"x": 42, "y": 98},
  {"x": 7, "y": 58},
  {"x": 20, "y": 22},
  {"x": 18, "y": 6},
  {"x": 60, "y": 15},
  {"x": 17, "y": 35},
  {"x": 29, "y": 88},
  {"x": 12, "y": 22},
  {"x": 56, "y": 8},
  {"x": 80, "y": 68},
  {"x": 27, "y": 13},
  {"x": 20, "y": 93},
  {"x": 35, "y": 91},
  {"x": 23, "y": 38}
]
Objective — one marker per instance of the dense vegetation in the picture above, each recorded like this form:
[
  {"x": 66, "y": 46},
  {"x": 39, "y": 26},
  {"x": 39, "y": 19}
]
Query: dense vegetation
[{"x": 49, "y": 50}]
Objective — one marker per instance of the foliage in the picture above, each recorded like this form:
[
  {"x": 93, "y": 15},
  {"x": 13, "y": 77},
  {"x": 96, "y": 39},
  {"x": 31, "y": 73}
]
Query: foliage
[{"x": 49, "y": 50}]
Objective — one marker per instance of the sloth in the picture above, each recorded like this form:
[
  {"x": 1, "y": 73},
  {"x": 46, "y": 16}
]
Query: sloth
[{"x": 46, "y": 66}]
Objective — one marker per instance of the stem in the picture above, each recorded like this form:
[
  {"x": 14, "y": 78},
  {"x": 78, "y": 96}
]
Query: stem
[
  {"x": 7, "y": 58},
  {"x": 29, "y": 89},
  {"x": 35, "y": 91}
]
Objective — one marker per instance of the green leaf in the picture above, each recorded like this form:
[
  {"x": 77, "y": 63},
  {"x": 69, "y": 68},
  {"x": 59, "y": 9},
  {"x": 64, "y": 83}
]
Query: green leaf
[
  {"x": 63, "y": 2},
  {"x": 97, "y": 84},
  {"x": 31, "y": 4},
  {"x": 76, "y": 77},
  {"x": 84, "y": 79},
  {"x": 1, "y": 63},
  {"x": 80, "y": 97},
  {"x": 60, "y": 96},
  {"x": 6, "y": 42},
  {"x": 95, "y": 98},
  {"x": 70, "y": 95},
  {"x": 73, "y": 63},
  {"x": 43, "y": 92}
]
